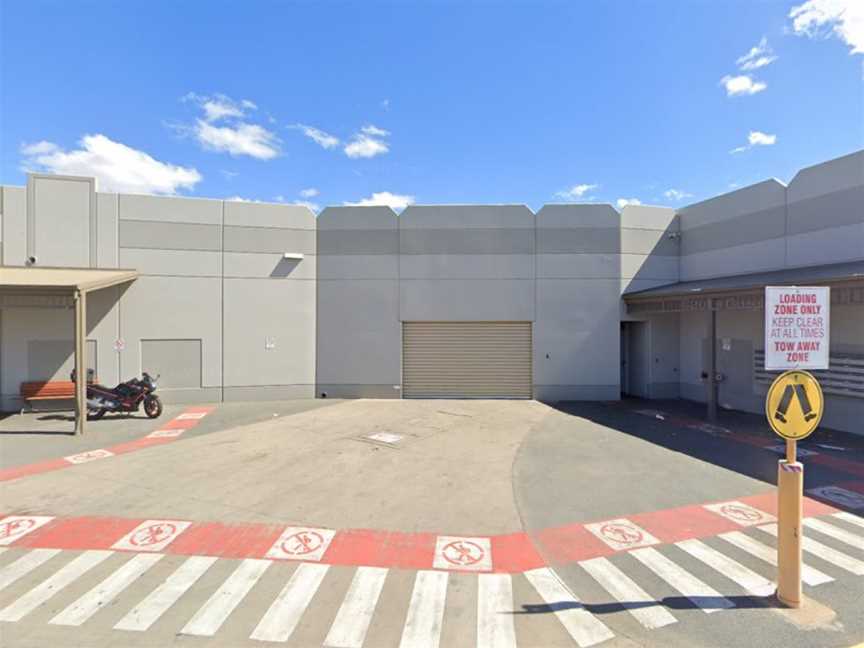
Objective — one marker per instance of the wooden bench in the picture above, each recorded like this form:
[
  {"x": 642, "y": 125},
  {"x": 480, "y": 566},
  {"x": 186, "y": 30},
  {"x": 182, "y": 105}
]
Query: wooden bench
[{"x": 47, "y": 390}]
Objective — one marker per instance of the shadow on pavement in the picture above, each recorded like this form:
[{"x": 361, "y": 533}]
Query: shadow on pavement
[
  {"x": 679, "y": 426},
  {"x": 669, "y": 602}
]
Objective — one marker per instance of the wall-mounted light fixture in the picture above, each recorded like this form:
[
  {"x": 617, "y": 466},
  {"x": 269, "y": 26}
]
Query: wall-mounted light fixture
[{"x": 296, "y": 256}]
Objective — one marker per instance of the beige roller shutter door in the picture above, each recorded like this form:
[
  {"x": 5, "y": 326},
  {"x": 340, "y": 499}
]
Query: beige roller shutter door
[{"x": 466, "y": 359}]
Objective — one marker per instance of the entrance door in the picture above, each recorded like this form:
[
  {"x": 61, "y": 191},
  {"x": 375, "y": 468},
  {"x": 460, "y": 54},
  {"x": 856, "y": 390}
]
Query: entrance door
[{"x": 636, "y": 346}]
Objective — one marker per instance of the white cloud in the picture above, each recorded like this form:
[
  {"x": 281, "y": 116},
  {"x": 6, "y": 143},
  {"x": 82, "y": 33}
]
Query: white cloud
[
  {"x": 39, "y": 148},
  {"x": 742, "y": 85},
  {"x": 385, "y": 104},
  {"x": 623, "y": 202},
  {"x": 374, "y": 131},
  {"x": 118, "y": 167},
  {"x": 238, "y": 139},
  {"x": 233, "y": 135},
  {"x": 242, "y": 199},
  {"x": 323, "y": 139},
  {"x": 311, "y": 192},
  {"x": 396, "y": 201},
  {"x": 758, "y": 56},
  {"x": 367, "y": 143},
  {"x": 365, "y": 147},
  {"x": 676, "y": 194},
  {"x": 576, "y": 191},
  {"x": 843, "y": 19},
  {"x": 756, "y": 138}
]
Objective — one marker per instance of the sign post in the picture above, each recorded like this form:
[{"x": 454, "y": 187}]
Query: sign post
[{"x": 794, "y": 407}]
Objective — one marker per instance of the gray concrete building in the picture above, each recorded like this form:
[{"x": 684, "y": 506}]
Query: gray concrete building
[{"x": 245, "y": 301}]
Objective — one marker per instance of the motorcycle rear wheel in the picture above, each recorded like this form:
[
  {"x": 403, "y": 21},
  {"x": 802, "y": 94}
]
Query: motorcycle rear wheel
[{"x": 152, "y": 406}]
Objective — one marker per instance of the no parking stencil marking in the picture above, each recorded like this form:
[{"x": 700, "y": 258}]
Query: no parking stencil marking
[
  {"x": 741, "y": 513},
  {"x": 301, "y": 543},
  {"x": 468, "y": 554},
  {"x": 622, "y": 534},
  {"x": 151, "y": 535},
  {"x": 15, "y": 527}
]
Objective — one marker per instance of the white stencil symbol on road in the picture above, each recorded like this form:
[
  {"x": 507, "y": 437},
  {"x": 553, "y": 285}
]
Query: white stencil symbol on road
[
  {"x": 468, "y": 554},
  {"x": 740, "y": 513},
  {"x": 840, "y": 496},
  {"x": 780, "y": 449},
  {"x": 622, "y": 534},
  {"x": 152, "y": 535},
  {"x": 15, "y": 527},
  {"x": 90, "y": 455},
  {"x": 165, "y": 434},
  {"x": 301, "y": 543},
  {"x": 191, "y": 416}
]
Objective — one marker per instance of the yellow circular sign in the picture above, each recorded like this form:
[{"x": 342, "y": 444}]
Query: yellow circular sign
[{"x": 794, "y": 404}]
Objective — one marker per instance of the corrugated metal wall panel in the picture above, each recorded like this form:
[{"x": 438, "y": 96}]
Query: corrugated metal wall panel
[{"x": 466, "y": 359}]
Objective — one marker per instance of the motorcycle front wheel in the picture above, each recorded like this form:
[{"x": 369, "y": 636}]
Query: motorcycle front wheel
[
  {"x": 152, "y": 406},
  {"x": 96, "y": 414}
]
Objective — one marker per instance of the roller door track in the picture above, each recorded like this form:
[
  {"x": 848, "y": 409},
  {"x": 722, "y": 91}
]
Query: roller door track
[{"x": 466, "y": 359}]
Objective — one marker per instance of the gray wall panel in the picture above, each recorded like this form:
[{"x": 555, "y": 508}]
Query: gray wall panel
[
  {"x": 466, "y": 300},
  {"x": 648, "y": 217},
  {"x": 647, "y": 241},
  {"x": 357, "y": 241},
  {"x": 362, "y": 218},
  {"x": 466, "y": 241},
  {"x": 747, "y": 228},
  {"x": 836, "y": 209},
  {"x": 269, "y": 239},
  {"x": 826, "y": 246},
  {"x": 358, "y": 390},
  {"x": 60, "y": 211},
  {"x": 268, "y": 266},
  {"x": 269, "y": 393},
  {"x": 649, "y": 267},
  {"x": 359, "y": 334},
  {"x": 169, "y": 236},
  {"x": 762, "y": 196},
  {"x": 170, "y": 209},
  {"x": 461, "y": 217},
  {"x": 177, "y": 363},
  {"x": 268, "y": 215},
  {"x": 753, "y": 257},
  {"x": 827, "y": 177},
  {"x": 578, "y": 266},
  {"x": 584, "y": 240},
  {"x": 578, "y": 216},
  {"x": 107, "y": 231},
  {"x": 183, "y": 263},
  {"x": 481, "y": 266},
  {"x": 173, "y": 308},
  {"x": 358, "y": 266},
  {"x": 269, "y": 332},
  {"x": 14, "y": 226}
]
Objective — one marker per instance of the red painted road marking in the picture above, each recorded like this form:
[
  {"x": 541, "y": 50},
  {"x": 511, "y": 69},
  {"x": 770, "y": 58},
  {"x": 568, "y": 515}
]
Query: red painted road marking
[
  {"x": 176, "y": 427},
  {"x": 513, "y": 553}
]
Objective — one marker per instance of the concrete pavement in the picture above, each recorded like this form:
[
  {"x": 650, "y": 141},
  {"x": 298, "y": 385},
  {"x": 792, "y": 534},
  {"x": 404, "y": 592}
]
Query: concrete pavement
[{"x": 569, "y": 480}]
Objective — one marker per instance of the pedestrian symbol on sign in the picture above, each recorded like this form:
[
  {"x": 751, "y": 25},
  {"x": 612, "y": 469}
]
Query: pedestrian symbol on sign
[{"x": 794, "y": 405}]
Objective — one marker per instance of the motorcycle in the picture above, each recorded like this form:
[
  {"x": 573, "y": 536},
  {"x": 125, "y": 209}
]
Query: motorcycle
[{"x": 126, "y": 397}]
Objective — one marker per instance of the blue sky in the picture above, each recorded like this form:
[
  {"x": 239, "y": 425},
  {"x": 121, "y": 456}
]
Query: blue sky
[{"x": 438, "y": 102}]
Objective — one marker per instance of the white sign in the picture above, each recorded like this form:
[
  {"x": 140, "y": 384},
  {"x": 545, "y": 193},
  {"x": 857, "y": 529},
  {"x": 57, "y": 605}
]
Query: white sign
[
  {"x": 119, "y": 344},
  {"x": 797, "y": 322}
]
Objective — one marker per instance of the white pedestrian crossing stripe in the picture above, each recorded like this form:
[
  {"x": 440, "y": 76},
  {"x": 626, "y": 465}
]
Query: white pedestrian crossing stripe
[
  {"x": 744, "y": 542},
  {"x": 637, "y": 602},
  {"x": 148, "y": 592},
  {"x": 826, "y": 553}
]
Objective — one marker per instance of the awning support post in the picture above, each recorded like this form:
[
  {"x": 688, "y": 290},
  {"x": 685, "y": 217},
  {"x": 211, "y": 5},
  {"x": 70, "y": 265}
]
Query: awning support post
[
  {"x": 80, "y": 362},
  {"x": 712, "y": 364}
]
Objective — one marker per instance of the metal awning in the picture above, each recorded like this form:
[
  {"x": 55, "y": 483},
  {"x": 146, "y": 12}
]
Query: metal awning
[
  {"x": 60, "y": 281},
  {"x": 736, "y": 292},
  {"x": 62, "y": 287}
]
